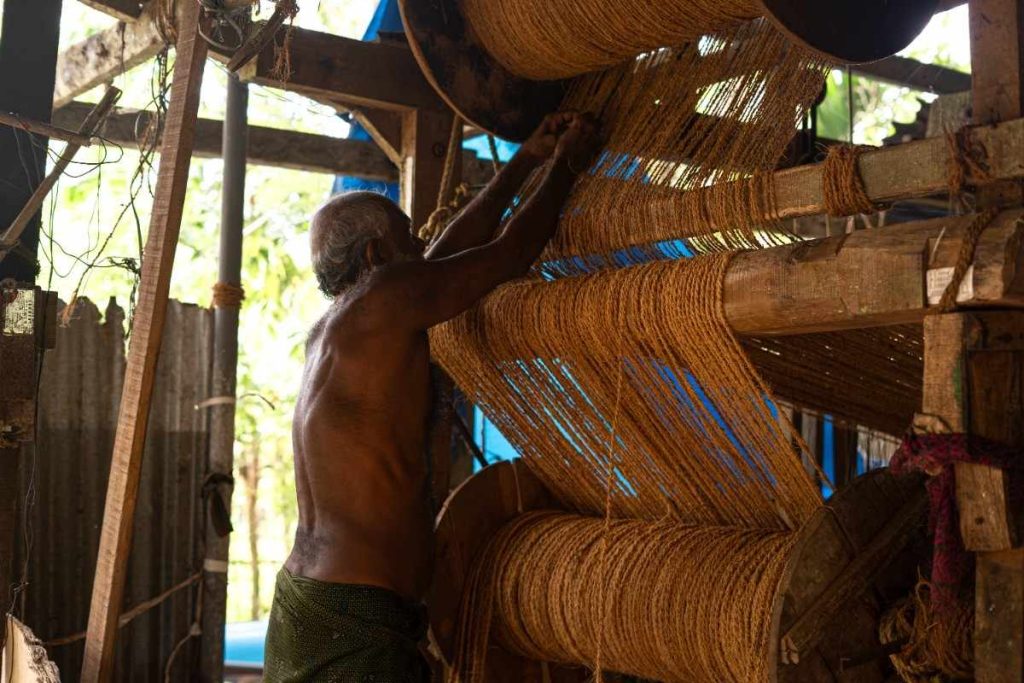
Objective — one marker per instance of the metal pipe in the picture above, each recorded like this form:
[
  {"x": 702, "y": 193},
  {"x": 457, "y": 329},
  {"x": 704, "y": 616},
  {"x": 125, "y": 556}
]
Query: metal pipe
[{"x": 220, "y": 463}]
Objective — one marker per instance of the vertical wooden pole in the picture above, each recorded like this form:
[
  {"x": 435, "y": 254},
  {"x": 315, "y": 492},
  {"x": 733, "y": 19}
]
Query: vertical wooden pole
[
  {"x": 974, "y": 365},
  {"x": 974, "y": 381},
  {"x": 424, "y": 148},
  {"x": 157, "y": 263}
]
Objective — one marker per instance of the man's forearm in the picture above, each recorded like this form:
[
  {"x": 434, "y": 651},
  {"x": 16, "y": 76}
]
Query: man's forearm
[
  {"x": 534, "y": 224},
  {"x": 477, "y": 223}
]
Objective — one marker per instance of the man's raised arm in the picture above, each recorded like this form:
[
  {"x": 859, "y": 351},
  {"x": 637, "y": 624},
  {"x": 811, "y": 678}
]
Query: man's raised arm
[
  {"x": 477, "y": 222},
  {"x": 425, "y": 293}
]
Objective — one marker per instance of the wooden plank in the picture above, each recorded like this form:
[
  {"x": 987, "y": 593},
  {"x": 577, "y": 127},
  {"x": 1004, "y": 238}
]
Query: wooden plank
[
  {"x": 425, "y": 135},
  {"x": 870, "y": 277},
  {"x": 267, "y": 146},
  {"x": 994, "y": 397},
  {"x": 332, "y": 69},
  {"x": 385, "y": 127},
  {"x": 982, "y": 497},
  {"x": 974, "y": 381},
  {"x": 997, "y": 59},
  {"x": 45, "y": 130},
  {"x": 123, "y": 10},
  {"x": 150, "y": 312},
  {"x": 915, "y": 75},
  {"x": 105, "y": 55},
  {"x": 999, "y": 637}
]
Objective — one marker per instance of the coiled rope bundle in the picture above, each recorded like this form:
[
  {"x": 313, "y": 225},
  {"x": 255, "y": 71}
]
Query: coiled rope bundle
[{"x": 672, "y": 603}]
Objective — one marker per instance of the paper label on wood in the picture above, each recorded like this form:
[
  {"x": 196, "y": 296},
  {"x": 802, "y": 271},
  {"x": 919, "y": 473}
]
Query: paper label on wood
[
  {"x": 19, "y": 314},
  {"x": 938, "y": 279}
]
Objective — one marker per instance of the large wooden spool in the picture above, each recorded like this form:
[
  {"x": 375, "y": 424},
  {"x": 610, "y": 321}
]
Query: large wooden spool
[
  {"x": 487, "y": 95},
  {"x": 840, "y": 531}
]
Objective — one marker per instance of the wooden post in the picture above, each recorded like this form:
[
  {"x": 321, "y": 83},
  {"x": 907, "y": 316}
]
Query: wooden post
[
  {"x": 974, "y": 381},
  {"x": 980, "y": 361},
  {"x": 125, "y": 469},
  {"x": 424, "y": 148}
]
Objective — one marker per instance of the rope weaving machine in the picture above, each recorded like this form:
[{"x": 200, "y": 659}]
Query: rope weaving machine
[{"x": 684, "y": 538}]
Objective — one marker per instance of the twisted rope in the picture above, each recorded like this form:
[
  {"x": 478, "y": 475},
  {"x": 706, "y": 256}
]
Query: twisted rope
[
  {"x": 658, "y": 600},
  {"x": 967, "y": 166},
  {"x": 450, "y": 196},
  {"x": 841, "y": 183},
  {"x": 228, "y": 295}
]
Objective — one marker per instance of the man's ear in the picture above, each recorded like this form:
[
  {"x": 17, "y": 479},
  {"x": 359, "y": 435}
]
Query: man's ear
[{"x": 376, "y": 253}]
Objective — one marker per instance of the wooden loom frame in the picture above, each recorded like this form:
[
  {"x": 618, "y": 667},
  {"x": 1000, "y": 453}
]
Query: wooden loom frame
[{"x": 409, "y": 123}]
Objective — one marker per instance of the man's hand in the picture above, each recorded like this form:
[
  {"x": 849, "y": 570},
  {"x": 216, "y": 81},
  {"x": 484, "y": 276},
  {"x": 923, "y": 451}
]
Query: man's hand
[
  {"x": 578, "y": 143},
  {"x": 541, "y": 144}
]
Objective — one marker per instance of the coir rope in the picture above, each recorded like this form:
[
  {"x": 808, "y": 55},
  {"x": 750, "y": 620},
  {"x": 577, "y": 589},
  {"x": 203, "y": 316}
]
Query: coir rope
[
  {"x": 676, "y": 603},
  {"x": 551, "y": 39}
]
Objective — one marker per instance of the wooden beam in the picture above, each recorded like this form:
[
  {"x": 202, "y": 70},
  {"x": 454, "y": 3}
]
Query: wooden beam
[
  {"x": 274, "y": 147},
  {"x": 915, "y": 75},
  {"x": 974, "y": 381},
  {"x": 870, "y": 278},
  {"x": 105, "y": 55},
  {"x": 425, "y": 136},
  {"x": 997, "y": 58},
  {"x": 267, "y": 146},
  {"x": 424, "y": 147},
  {"x": 913, "y": 169},
  {"x": 45, "y": 130},
  {"x": 147, "y": 329},
  {"x": 992, "y": 392},
  {"x": 997, "y": 637},
  {"x": 332, "y": 69},
  {"x": 123, "y": 10},
  {"x": 385, "y": 127}
]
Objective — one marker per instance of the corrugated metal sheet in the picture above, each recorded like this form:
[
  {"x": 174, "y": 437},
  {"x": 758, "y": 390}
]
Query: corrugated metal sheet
[{"x": 78, "y": 401}]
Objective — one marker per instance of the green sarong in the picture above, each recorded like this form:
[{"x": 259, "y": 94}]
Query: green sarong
[{"x": 343, "y": 632}]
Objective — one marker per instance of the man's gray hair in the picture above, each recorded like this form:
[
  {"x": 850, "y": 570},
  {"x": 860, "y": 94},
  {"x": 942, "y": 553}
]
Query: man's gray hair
[{"x": 342, "y": 228}]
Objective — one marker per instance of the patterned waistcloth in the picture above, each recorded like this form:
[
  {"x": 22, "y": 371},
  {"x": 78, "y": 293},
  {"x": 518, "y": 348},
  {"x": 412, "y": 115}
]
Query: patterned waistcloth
[
  {"x": 346, "y": 633},
  {"x": 935, "y": 455}
]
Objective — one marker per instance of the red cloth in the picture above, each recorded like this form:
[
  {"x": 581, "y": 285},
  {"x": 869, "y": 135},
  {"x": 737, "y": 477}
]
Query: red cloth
[{"x": 935, "y": 455}]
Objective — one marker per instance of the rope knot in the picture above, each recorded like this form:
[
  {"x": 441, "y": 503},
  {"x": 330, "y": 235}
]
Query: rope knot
[
  {"x": 228, "y": 295},
  {"x": 967, "y": 163},
  {"x": 841, "y": 183}
]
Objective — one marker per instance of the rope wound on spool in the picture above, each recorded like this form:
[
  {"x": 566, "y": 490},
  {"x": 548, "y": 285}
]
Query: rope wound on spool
[
  {"x": 842, "y": 186},
  {"x": 689, "y": 603}
]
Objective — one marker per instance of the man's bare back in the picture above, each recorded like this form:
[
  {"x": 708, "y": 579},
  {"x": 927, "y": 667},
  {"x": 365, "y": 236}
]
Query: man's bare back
[{"x": 361, "y": 422}]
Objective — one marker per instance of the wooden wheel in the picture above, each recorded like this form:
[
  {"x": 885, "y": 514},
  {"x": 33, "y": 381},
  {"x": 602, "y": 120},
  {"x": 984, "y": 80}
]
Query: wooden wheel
[
  {"x": 480, "y": 90},
  {"x": 845, "y": 525}
]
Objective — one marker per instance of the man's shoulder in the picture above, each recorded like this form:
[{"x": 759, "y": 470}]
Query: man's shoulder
[{"x": 358, "y": 313}]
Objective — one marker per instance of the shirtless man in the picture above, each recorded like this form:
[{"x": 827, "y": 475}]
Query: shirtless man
[{"x": 347, "y": 605}]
